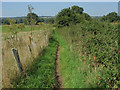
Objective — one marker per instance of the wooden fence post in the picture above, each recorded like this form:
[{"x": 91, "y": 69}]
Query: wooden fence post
[
  {"x": 17, "y": 58},
  {"x": 29, "y": 48},
  {"x": 45, "y": 36},
  {"x": 46, "y": 39}
]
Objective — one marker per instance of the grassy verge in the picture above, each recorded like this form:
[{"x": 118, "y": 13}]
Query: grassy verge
[
  {"x": 43, "y": 73},
  {"x": 89, "y": 55},
  {"x": 74, "y": 72}
]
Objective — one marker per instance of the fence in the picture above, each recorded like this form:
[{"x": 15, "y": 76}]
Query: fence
[{"x": 20, "y": 58}]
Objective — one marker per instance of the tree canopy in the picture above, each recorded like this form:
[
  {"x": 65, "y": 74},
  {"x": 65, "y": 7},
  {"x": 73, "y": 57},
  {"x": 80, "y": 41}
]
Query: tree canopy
[
  {"x": 76, "y": 9},
  {"x": 35, "y": 18},
  {"x": 111, "y": 17},
  {"x": 71, "y": 15}
]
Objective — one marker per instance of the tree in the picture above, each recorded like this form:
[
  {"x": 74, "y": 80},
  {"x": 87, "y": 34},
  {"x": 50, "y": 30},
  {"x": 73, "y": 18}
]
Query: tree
[
  {"x": 103, "y": 18},
  {"x": 13, "y": 28},
  {"x": 41, "y": 20},
  {"x": 111, "y": 17},
  {"x": 50, "y": 20},
  {"x": 64, "y": 17},
  {"x": 21, "y": 26},
  {"x": 6, "y": 21},
  {"x": 87, "y": 17},
  {"x": 71, "y": 15},
  {"x": 77, "y": 9},
  {"x": 20, "y": 20},
  {"x": 25, "y": 21},
  {"x": 33, "y": 17}
]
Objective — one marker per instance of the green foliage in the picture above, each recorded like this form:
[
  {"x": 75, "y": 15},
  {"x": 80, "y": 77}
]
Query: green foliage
[
  {"x": 6, "y": 21},
  {"x": 43, "y": 73},
  {"x": 25, "y": 21},
  {"x": 71, "y": 15},
  {"x": 97, "y": 43},
  {"x": 20, "y": 20},
  {"x": 21, "y": 26},
  {"x": 111, "y": 17},
  {"x": 75, "y": 74},
  {"x": 50, "y": 20},
  {"x": 87, "y": 17},
  {"x": 35, "y": 19},
  {"x": 76, "y": 9},
  {"x": 41, "y": 20},
  {"x": 64, "y": 18},
  {"x": 13, "y": 28}
]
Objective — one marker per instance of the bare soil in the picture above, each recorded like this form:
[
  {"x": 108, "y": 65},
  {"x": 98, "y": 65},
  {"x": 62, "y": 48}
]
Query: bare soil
[{"x": 58, "y": 75}]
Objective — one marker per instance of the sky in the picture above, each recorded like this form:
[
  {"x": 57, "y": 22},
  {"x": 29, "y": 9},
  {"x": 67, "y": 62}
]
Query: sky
[
  {"x": 60, "y": 0},
  {"x": 17, "y": 9}
]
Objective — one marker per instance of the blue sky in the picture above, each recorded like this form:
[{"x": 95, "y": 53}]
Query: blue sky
[{"x": 16, "y": 9}]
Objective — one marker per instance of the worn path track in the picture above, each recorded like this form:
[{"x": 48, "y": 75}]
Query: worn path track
[{"x": 58, "y": 75}]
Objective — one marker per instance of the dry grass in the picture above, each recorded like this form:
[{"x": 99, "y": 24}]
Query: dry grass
[{"x": 9, "y": 68}]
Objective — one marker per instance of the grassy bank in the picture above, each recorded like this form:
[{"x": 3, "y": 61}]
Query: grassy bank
[
  {"x": 74, "y": 72},
  {"x": 43, "y": 73},
  {"x": 10, "y": 70},
  {"x": 89, "y": 55}
]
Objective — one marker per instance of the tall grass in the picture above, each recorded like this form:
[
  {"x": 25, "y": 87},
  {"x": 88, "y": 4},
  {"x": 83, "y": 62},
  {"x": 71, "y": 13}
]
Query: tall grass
[
  {"x": 43, "y": 73},
  {"x": 75, "y": 73},
  {"x": 96, "y": 46},
  {"x": 9, "y": 69}
]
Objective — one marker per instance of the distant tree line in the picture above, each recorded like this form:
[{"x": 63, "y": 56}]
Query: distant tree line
[
  {"x": 76, "y": 15},
  {"x": 26, "y": 20},
  {"x": 66, "y": 17},
  {"x": 5, "y": 21},
  {"x": 111, "y": 17}
]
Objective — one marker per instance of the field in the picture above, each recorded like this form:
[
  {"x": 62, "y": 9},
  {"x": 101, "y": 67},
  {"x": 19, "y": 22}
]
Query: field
[
  {"x": 5, "y": 28},
  {"x": 71, "y": 50},
  {"x": 10, "y": 70},
  {"x": 83, "y": 63}
]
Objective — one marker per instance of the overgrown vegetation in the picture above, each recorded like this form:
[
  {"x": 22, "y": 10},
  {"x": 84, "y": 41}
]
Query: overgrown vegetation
[
  {"x": 88, "y": 50},
  {"x": 111, "y": 17},
  {"x": 42, "y": 74},
  {"x": 96, "y": 44},
  {"x": 26, "y": 20},
  {"x": 75, "y": 72},
  {"x": 70, "y": 16}
]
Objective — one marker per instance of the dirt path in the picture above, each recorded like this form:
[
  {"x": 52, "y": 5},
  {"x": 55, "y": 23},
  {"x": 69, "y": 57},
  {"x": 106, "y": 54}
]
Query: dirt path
[{"x": 58, "y": 76}]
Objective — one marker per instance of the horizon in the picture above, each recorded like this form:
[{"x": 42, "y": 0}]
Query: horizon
[
  {"x": 53, "y": 8},
  {"x": 38, "y": 16}
]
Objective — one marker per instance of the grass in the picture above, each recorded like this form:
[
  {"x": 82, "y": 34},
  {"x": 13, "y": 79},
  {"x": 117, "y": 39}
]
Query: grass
[
  {"x": 9, "y": 68},
  {"x": 78, "y": 70},
  {"x": 5, "y": 28},
  {"x": 89, "y": 55},
  {"x": 43, "y": 73},
  {"x": 74, "y": 72}
]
